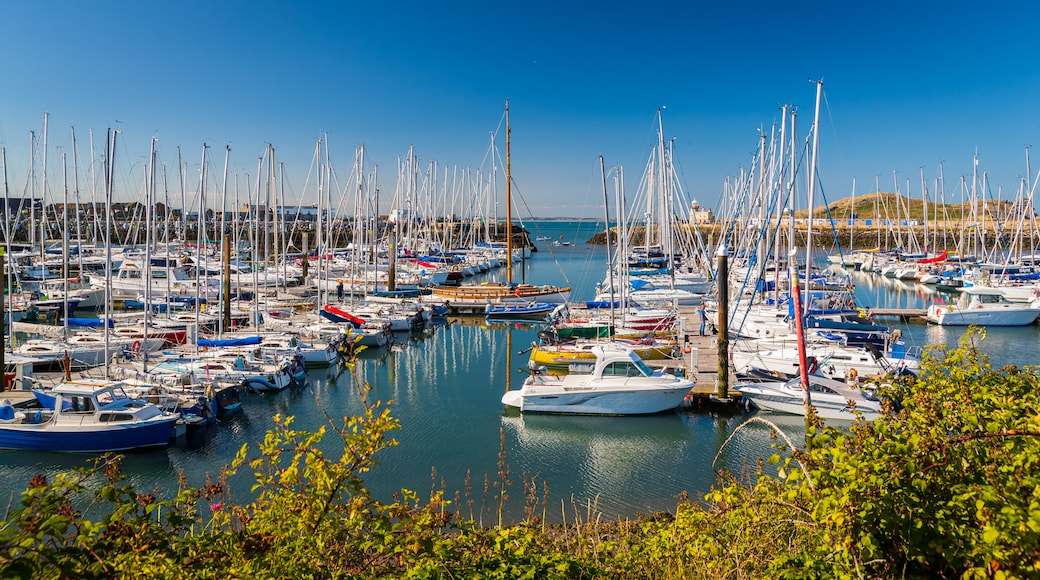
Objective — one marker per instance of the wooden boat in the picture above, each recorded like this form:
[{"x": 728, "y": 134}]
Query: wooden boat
[
  {"x": 560, "y": 357},
  {"x": 481, "y": 294}
]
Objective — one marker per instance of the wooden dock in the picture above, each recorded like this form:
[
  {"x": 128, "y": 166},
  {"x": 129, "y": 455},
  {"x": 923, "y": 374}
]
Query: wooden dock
[
  {"x": 700, "y": 356},
  {"x": 903, "y": 314}
]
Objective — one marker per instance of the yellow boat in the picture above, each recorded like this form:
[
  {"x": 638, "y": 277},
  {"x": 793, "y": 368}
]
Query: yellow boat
[{"x": 559, "y": 357}]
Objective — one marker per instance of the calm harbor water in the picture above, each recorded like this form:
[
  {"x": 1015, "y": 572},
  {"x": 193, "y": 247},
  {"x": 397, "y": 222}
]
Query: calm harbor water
[{"x": 445, "y": 385}]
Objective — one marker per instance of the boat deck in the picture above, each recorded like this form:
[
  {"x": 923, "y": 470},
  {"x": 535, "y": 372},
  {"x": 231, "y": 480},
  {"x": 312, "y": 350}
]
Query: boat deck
[{"x": 903, "y": 314}]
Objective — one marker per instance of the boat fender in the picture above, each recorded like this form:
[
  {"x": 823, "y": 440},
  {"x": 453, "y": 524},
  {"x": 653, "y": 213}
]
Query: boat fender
[{"x": 136, "y": 346}]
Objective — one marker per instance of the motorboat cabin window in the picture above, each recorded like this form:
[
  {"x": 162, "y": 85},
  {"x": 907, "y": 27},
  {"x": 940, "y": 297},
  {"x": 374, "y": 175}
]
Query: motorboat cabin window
[
  {"x": 623, "y": 369},
  {"x": 116, "y": 417},
  {"x": 78, "y": 405},
  {"x": 643, "y": 367},
  {"x": 110, "y": 396},
  {"x": 817, "y": 388}
]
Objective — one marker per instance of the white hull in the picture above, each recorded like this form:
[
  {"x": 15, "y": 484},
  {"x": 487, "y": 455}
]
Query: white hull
[
  {"x": 600, "y": 402},
  {"x": 831, "y": 398},
  {"x": 835, "y": 361},
  {"x": 620, "y": 384},
  {"x": 997, "y": 315}
]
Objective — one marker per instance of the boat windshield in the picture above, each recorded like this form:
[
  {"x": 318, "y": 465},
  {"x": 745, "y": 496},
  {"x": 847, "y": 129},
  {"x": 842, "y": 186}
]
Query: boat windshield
[
  {"x": 643, "y": 367},
  {"x": 633, "y": 367},
  {"x": 111, "y": 395}
]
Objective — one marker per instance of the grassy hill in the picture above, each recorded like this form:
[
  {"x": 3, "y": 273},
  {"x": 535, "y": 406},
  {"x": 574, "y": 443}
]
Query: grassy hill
[{"x": 886, "y": 205}]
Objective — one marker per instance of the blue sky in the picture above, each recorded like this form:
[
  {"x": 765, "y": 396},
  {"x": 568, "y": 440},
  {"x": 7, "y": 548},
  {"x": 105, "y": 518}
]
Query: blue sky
[{"x": 906, "y": 86}]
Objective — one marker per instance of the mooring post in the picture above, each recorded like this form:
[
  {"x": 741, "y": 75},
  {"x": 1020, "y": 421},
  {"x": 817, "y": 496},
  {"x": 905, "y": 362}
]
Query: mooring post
[
  {"x": 226, "y": 283},
  {"x": 722, "y": 279},
  {"x": 305, "y": 262}
]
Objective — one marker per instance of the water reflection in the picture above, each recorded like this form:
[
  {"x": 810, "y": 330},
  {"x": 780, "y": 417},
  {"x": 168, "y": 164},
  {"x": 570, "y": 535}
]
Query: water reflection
[
  {"x": 444, "y": 386},
  {"x": 600, "y": 459}
]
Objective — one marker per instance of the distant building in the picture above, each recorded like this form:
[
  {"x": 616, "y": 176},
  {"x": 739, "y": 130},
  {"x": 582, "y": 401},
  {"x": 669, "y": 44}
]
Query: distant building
[
  {"x": 403, "y": 215},
  {"x": 13, "y": 205},
  {"x": 701, "y": 215}
]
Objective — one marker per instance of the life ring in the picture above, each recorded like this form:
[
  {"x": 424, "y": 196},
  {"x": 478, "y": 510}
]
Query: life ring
[{"x": 136, "y": 346}]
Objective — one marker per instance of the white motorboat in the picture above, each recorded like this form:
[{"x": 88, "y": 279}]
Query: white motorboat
[
  {"x": 617, "y": 383},
  {"x": 984, "y": 307},
  {"x": 830, "y": 359},
  {"x": 832, "y": 398}
]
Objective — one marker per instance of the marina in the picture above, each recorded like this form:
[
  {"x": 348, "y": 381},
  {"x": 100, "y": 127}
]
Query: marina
[
  {"x": 450, "y": 412},
  {"x": 483, "y": 343}
]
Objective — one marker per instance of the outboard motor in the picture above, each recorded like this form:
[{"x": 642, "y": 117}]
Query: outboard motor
[{"x": 548, "y": 337}]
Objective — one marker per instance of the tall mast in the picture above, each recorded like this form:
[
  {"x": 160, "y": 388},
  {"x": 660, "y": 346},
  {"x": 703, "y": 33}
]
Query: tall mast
[
  {"x": 225, "y": 306},
  {"x": 610, "y": 263},
  {"x": 43, "y": 198},
  {"x": 149, "y": 202},
  {"x": 509, "y": 207},
  {"x": 924, "y": 212},
  {"x": 812, "y": 189},
  {"x": 780, "y": 201},
  {"x": 110, "y": 148},
  {"x": 65, "y": 245},
  {"x": 32, "y": 189},
  {"x": 201, "y": 241},
  {"x": 75, "y": 180}
]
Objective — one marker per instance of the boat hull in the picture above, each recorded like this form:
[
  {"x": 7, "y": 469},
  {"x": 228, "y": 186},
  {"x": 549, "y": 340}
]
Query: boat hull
[
  {"x": 44, "y": 437},
  {"x": 827, "y": 408},
  {"x": 1012, "y": 316},
  {"x": 600, "y": 402}
]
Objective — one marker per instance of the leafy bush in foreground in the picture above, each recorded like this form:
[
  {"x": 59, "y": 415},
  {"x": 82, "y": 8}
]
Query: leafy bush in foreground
[{"x": 945, "y": 487}]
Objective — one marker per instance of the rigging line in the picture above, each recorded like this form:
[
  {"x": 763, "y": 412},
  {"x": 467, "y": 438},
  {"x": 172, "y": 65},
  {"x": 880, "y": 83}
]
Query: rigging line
[
  {"x": 837, "y": 142},
  {"x": 830, "y": 218},
  {"x": 517, "y": 193}
]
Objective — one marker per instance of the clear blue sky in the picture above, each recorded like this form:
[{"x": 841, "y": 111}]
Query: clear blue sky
[{"x": 906, "y": 86}]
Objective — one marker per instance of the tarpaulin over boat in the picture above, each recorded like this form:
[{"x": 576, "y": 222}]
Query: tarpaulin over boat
[
  {"x": 337, "y": 315},
  {"x": 88, "y": 322},
  {"x": 933, "y": 259},
  {"x": 1030, "y": 276},
  {"x": 244, "y": 341}
]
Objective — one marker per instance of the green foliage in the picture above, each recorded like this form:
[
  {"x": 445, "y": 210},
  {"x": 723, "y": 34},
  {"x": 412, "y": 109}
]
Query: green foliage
[{"x": 946, "y": 486}]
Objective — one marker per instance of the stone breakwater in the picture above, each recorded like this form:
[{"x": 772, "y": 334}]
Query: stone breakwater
[{"x": 854, "y": 236}]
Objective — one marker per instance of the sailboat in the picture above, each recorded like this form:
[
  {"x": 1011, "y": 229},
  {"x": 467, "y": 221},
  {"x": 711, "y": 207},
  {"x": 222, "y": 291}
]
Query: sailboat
[
  {"x": 559, "y": 357},
  {"x": 471, "y": 295}
]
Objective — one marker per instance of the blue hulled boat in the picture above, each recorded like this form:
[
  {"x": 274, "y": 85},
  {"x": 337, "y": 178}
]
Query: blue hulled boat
[{"x": 87, "y": 418}]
